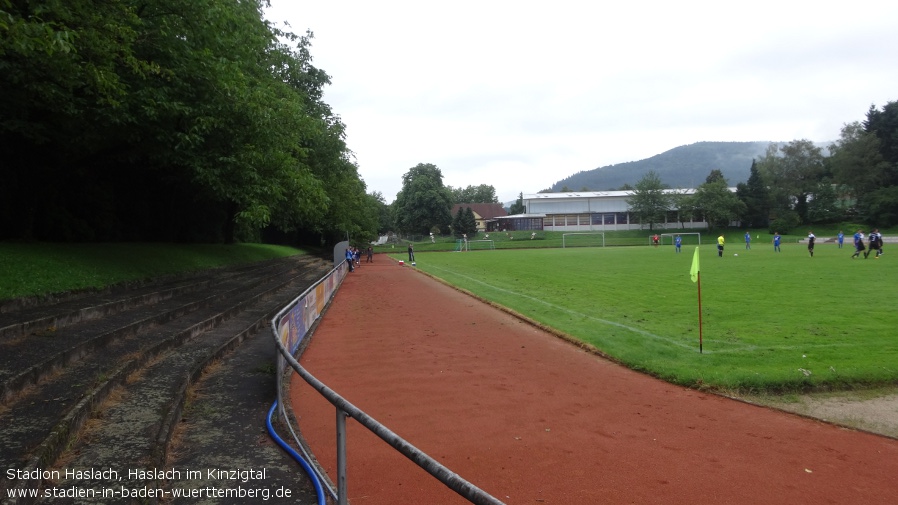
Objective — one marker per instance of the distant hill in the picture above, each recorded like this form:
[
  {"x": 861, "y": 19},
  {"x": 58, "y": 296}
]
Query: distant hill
[{"x": 681, "y": 167}]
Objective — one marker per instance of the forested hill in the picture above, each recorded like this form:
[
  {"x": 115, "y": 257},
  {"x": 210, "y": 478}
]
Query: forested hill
[{"x": 681, "y": 167}]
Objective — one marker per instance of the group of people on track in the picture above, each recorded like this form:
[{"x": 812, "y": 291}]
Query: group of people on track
[{"x": 873, "y": 243}]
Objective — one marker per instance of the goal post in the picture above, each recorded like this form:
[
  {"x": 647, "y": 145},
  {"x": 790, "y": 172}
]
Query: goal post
[
  {"x": 691, "y": 238},
  {"x": 583, "y": 239},
  {"x": 481, "y": 245}
]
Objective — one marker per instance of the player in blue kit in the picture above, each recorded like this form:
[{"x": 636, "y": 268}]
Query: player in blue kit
[
  {"x": 776, "y": 242},
  {"x": 679, "y": 243}
]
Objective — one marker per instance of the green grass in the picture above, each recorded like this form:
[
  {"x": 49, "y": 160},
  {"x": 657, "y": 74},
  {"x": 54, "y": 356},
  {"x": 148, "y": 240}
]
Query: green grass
[
  {"x": 768, "y": 319},
  {"x": 553, "y": 239},
  {"x": 29, "y": 269}
]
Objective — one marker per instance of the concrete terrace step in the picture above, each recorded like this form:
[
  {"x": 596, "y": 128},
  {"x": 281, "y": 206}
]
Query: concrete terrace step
[
  {"x": 29, "y": 357},
  {"x": 150, "y": 368}
]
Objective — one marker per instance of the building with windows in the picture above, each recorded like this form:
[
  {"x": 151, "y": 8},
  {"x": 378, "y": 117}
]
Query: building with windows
[{"x": 590, "y": 211}]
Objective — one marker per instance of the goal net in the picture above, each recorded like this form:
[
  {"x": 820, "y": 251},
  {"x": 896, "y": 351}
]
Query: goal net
[
  {"x": 691, "y": 238},
  {"x": 462, "y": 245},
  {"x": 583, "y": 239},
  {"x": 478, "y": 245}
]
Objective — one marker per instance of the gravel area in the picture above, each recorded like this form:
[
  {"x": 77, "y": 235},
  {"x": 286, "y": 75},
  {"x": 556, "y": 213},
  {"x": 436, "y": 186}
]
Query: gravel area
[{"x": 872, "y": 411}]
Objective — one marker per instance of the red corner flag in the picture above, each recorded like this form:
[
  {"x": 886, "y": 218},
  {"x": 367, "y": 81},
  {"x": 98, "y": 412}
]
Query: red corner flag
[{"x": 697, "y": 278}]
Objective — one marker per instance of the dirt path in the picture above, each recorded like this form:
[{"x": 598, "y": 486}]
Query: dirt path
[{"x": 532, "y": 419}]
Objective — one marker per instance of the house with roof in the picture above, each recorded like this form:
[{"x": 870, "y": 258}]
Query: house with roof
[{"x": 485, "y": 214}]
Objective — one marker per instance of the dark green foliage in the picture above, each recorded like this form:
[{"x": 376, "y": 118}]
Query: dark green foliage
[
  {"x": 717, "y": 203},
  {"x": 649, "y": 203},
  {"x": 483, "y": 193},
  {"x": 423, "y": 202},
  {"x": 753, "y": 193},
  {"x": 784, "y": 222},
  {"x": 518, "y": 206},
  {"x": 165, "y": 120},
  {"x": 469, "y": 222}
]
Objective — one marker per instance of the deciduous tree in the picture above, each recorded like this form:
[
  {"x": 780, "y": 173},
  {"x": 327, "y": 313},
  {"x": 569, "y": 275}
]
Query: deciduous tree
[
  {"x": 649, "y": 203},
  {"x": 423, "y": 202}
]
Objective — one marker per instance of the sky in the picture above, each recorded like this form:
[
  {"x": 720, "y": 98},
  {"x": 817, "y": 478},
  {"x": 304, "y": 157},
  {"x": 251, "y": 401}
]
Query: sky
[{"x": 522, "y": 94}]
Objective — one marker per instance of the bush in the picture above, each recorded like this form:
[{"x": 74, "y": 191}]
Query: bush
[{"x": 785, "y": 223}]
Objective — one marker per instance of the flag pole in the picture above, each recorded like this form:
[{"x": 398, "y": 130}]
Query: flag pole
[
  {"x": 695, "y": 273},
  {"x": 699, "y": 283}
]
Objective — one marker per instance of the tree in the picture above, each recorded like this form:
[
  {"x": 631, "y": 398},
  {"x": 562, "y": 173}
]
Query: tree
[
  {"x": 168, "y": 120},
  {"x": 383, "y": 212},
  {"x": 423, "y": 202},
  {"x": 649, "y": 202},
  {"x": 483, "y": 193},
  {"x": 469, "y": 222},
  {"x": 856, "y": 161},
  {"x": 824, "y": 206},
  {"x": 715, "y": 175},
  {"x": 792, "y": 172},
  {"x": 878, "y": 174},
  {"x": 753, "y": 193},
  {"x": 518, "y": 206},
  {"x": 717, "y": 203}
]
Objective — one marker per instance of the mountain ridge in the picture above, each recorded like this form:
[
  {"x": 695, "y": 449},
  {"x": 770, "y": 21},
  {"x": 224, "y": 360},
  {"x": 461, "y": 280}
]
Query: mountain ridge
[{"x": 685, "y": 166}]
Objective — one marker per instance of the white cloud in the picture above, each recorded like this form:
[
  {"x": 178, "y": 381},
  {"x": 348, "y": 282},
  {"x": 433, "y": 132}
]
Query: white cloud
[{"x": 521, "y": 94}]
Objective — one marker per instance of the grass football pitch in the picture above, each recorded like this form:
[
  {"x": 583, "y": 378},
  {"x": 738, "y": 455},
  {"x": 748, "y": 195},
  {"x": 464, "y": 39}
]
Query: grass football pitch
[{"x": 770, "y": 321}]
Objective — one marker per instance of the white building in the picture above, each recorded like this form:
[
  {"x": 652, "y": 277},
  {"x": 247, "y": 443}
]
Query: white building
[{"x": 596, "y": 211}]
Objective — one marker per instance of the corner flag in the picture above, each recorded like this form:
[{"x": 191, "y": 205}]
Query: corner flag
[{"x": 693, "y": 272}]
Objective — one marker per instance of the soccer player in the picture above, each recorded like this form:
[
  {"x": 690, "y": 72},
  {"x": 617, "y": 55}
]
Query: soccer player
[
  {"x": 875, "y": 243},
  {"x": 776, "y": 241},
  {"x": 720, "y": 246},
  {"x": 858, "y": 244},
  {"x": 679, "y": 243},
  {"x": 747, "y": 240},
  {"x": 811, "y": 240},
  {"x": 841, "y": 237}
]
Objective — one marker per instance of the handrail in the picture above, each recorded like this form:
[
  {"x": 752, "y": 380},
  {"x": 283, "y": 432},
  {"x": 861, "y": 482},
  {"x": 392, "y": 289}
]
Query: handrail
[{"x": 344, "y": 408}]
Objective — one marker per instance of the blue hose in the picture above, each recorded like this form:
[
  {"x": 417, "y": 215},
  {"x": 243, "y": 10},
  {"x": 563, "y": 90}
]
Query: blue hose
[{"x": 305, "y": 466}]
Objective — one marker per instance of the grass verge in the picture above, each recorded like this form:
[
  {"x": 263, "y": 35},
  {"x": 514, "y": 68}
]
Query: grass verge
[{"x": 34, "y": 269}]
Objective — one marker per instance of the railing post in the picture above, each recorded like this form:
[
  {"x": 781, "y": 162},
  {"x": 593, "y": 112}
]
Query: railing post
[{"x": 341, "y": 458}]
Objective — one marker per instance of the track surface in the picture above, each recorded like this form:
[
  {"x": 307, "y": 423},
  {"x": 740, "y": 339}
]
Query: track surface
[{"x": 532, "y": 419}]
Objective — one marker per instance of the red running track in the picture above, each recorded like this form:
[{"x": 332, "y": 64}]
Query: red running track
[{"x": 533, "y": 419}]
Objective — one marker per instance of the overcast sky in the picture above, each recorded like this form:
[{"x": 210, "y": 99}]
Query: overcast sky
[{"x": 521, "y": 94}]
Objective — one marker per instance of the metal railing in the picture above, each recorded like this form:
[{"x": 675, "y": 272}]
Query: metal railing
[{"x": 290, "y": 326}]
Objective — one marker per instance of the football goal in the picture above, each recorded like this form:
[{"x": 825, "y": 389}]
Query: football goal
[
  {"x": 691, "y": 238},
  {"x": 462, "y": 245},
  {"x": 583, "y": 239}
]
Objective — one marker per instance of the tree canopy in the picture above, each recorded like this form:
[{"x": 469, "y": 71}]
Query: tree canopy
[
  {"x": 423, "y": 202},
  {"x": 483, "y": 193},
  {"x": 166, "y": 120},
  {"x": 650, "y": 203}
]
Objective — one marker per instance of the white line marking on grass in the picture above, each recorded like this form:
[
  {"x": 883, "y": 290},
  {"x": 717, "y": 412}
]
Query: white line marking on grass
[{"x": 569, "y": 311}]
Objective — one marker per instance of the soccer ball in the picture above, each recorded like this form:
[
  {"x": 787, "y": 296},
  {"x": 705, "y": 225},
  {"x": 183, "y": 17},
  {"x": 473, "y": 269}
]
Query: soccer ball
[{"x": 737, "y": 254}]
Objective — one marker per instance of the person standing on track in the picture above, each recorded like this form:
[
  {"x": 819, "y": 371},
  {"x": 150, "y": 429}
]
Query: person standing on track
[
  {"x": 411, "y": 253},
  {"x": 349, "y": 258}
]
